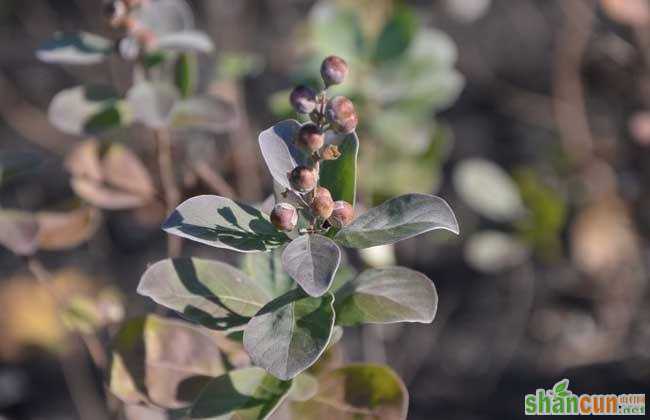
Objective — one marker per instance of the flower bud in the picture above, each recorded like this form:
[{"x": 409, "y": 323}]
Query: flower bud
[
  {"x": 303, "y": 99},
  {"x": 333, "y": 70},
  {"x": 284, "y": 216},
  {"x": 302, "y": 179},
  {"x": 342, "y": 214},
  {"x": 341, "y": 114},
  {"x": 330, "y": 152},
  {"x": 322, "y": 205},
  {"x": 310, "y": 137}
]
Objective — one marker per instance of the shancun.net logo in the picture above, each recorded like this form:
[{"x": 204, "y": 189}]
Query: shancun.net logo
[{"x": 561, "y": 401}]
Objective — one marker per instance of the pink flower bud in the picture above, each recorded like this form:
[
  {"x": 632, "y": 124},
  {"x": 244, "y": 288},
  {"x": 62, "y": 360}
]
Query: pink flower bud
[
  {"x": 342, "y": 214},
  {"x": 310, "y": 138},
  {"x": 341, "y": 114},
  {"x": 284, "y": 216},
  {"x": 334, "y": 70},
  {"x": 303, "y": 99}
]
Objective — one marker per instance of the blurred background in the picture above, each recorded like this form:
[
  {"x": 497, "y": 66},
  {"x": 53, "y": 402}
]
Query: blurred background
[{"x": 530, "y": 117}]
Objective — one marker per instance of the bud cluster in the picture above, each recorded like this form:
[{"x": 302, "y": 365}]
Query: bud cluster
[
  {"x": 336, "y": 114},
  {"x": 119, "y": 14}
]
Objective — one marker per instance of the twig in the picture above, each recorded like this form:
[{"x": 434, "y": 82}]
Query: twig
[
  {"x": 170, "y": 187},
  {"x": 214, "y": 180}
]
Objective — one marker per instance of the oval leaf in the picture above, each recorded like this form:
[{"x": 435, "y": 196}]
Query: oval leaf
[
  {"x": 75, "y": 48},
  {"x": 195, "y": 41},
  {"x": 397, "y": 219},
  {"x": 211, "y": 293},
  {"x": 244, "y": 394},
  {"x": 209, "y": 113},
  {"x": 145, "y": 368},
  {"x": 340, "y": 176},
  {"x": 165, "y": 16},
  {"x": 493, "y": 251},
  {"x": 265, "y": 268},
  {"x": 488, "y": 190},
  {"x": 87, "y": 110},
  {"x": 152, "y": 103},
  {"x": 387, "y": 295},
  {"x": 223, "y": 223},
  {"x": 279, "y": 152},
  {"x": 356, "y": 392},
  {"x": 66, "y": 230},
  {"x": 312, "y": 261},
  {"x": 290, "y": 333}
]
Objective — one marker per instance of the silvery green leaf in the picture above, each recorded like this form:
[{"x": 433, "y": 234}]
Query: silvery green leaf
[
  {"x": 488, "y": 190},
  {"x": 279, "y": 151},
  {"x": 152, "y": 103},
  {"x": 397, "y": 219},
  {"x": 87, "y": 110},
  {"x": 494, "y": 251},
  {"x": 188, "y": 40},
  {"x": 211, "y": 293},
  {"x": 209, "y": 113},
  {"x": 79, "y": 48},
  {"x": 290, "y": 333},
  {"x": 312, "y": 261},
  {"x": 265, "y": 268},
  {"x": 223, "y": 223},
  {"x": 243, "y": 394},
  {"x": 387, "y": 295},
  {"x": 165, "y": 16}
]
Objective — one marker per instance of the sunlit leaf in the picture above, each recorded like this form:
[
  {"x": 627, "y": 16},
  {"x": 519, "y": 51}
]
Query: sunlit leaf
[
  {"x": 165, "y": 17},
  {"x": 494, "y": 251},
  {"x": 356, "y": 392},
  {"x": 210, "y": 293},
  {"x": 279, "y": 152},
  {"x": 290, "y": 333},
  {"x": 152, "y": 103},
  {"x": 488, "y": 190},
  {"x": 387, "y": 295},
  {"x": 87, "y": 110},
  {"x": 80, "y": 48},
  {"x": 209, "y": 113},
  {"x": 146, "y": 368},
  {"x": 244, "y": 394},
  {"x": 397, "y": 219},
  {"x": 223, "y": 223},
  {"x": 312, "y": 261},
  {"x": 186, "y": 41},
  {"x": 67, "y": 229}
]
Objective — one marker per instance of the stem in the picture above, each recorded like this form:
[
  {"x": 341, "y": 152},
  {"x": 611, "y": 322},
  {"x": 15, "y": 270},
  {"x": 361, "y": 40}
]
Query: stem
[{"x": 168, "y": 181}]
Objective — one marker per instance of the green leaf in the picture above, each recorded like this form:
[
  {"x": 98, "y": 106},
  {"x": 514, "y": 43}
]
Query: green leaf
[
  {"x": 185, "y": 74},
  {"x": 488, "y": 190},
  {"x": 397, "y": 219},
  {"x": 210, "y": 293},
  {"x": 244, "y": 394},
  {"x": 80, "y": 48},
  {"x": 290, "y": 333},
  {"x": 87, "y": 110},
  {"x": 223, "y": 223},
  {"x": 340, "y": 175},
  {"x": 186, "y": 41},
  {"x": 18, "y": 232},
  {"x": 303, "y": 388},
  {"x": 265, "y": 268},
  {"x": 357, "y": 391},
  {"x": 312, "y": 261},
  {"x": 153, "y": 59},
  {"x": 145, "y": 368},
  {"x": 396, "y": 36},
  {"x": 387, "y": 295},
  {"x": 279, "y": 152},
  {"x": 205, "y": 113},
  {"x": 152, "y": 103}
]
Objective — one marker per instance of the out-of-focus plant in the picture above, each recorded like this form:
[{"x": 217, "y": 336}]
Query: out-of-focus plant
[
  {"x": 403, "y": 74},
  {"x": 290, "y": 301}
]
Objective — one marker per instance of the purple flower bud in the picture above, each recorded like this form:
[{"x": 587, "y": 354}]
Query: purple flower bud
[
  {"x": 284, "y": 216},
  {"x": 342, "y": 214},
  {"x": 302, "y": 179},
  {"x": 333, "y": 70},
  {"x": 322, "y": 204},
  {"x": 341, "y": 114},
  {"x": 310, "y": 138},
  {"x": 303, "y": 99}
]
